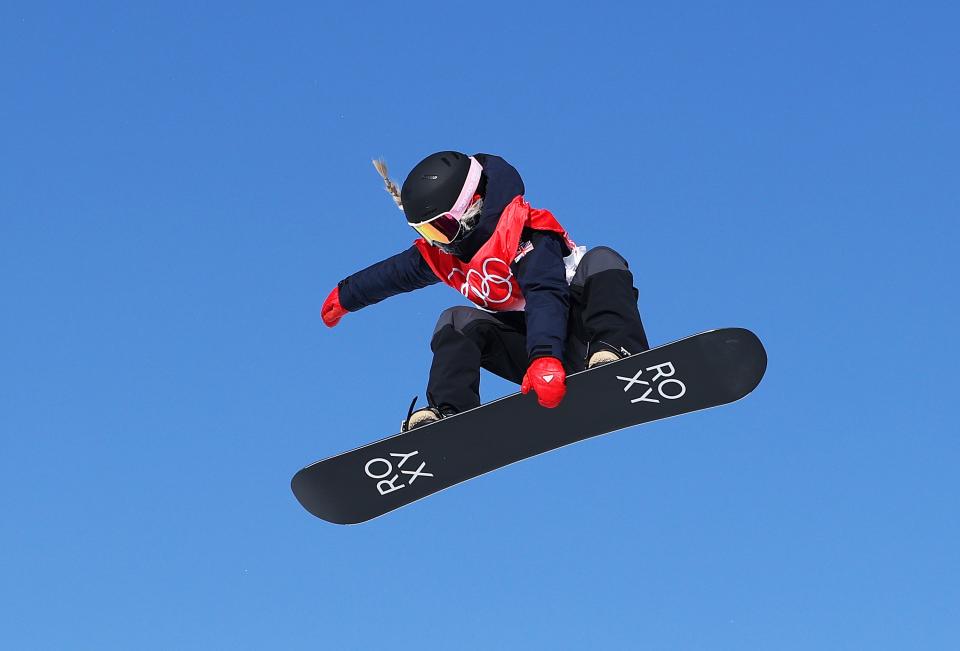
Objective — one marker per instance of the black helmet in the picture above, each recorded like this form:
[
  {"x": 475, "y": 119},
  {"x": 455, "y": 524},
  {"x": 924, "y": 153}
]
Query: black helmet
[{"x": 433, "y": 186}]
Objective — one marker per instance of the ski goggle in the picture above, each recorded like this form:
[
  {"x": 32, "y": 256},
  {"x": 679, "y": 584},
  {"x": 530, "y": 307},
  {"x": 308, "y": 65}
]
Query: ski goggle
[{"x": 445, "y": 227}]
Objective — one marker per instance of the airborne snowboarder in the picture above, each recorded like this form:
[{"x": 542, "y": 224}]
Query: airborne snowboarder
[
  {"x": 546, "y": 313},
  {"x": 543, "y": 307}
]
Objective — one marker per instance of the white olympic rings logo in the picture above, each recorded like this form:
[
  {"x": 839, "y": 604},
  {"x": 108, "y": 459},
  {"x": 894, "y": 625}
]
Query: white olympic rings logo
[{"x": 480, "y": 286}]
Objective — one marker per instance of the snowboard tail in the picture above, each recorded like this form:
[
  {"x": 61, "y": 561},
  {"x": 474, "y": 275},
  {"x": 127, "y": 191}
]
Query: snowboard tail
[{"x": 706, "y": 370}]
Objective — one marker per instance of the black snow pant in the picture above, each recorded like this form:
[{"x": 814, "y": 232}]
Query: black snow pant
[{"x": 603, "y": 312}]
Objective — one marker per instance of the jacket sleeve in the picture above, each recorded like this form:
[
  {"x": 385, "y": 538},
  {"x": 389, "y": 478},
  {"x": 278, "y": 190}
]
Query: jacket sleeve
[
  {"x": 400, "y": 273},
  {"x": 542, "y": 277}
]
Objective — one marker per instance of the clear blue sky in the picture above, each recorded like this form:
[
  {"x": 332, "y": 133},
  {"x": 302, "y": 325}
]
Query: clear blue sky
[{"x": 179, "y": 187}]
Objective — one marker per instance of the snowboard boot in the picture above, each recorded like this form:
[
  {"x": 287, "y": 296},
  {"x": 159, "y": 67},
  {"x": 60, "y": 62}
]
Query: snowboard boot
[
  {"x": 419, "y": 418},
  {"x": 604, "y": 353},
  {"x": 424, "y": 416}
]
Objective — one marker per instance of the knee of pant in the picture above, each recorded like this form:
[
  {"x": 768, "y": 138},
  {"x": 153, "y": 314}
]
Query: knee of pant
[
  {"x": 458, "y": 317},
  {"x": 596, "y": 260}
]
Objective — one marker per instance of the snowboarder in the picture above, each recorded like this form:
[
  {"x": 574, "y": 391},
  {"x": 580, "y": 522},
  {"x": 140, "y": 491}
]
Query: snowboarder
[{"x": 543, "y": 307}]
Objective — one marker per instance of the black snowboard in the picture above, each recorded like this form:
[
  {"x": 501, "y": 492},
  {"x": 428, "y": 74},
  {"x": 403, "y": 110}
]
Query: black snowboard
[{"x": 706, "y": 370}]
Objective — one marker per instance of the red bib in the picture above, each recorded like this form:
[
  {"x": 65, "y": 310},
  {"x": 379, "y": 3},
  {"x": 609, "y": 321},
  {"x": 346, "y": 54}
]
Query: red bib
[{"x": 487, "y": 279}]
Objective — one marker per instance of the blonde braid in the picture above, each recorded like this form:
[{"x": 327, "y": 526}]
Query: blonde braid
[{"x": 388, "y": 184}]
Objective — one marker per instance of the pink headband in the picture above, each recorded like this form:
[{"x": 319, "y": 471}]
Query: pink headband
[{"x": 469, "y": 189}]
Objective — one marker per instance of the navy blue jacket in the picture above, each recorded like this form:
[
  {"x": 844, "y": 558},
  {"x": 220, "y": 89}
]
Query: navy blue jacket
[{"x": 541, "y": 273}]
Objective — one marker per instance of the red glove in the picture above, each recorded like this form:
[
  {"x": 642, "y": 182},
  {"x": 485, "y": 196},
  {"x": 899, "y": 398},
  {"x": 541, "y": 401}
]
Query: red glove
[
  {"x": 332, "y": 311},
  {"x": 548, "y": 379}
]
